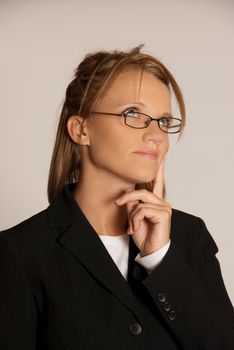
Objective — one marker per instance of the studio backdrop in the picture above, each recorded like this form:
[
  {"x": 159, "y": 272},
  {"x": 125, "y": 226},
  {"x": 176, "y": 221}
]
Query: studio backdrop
[{"x": 42, "y": 42}]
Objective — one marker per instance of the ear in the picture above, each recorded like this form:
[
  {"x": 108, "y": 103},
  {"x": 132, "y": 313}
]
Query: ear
[{"x": 77, "y": 129}]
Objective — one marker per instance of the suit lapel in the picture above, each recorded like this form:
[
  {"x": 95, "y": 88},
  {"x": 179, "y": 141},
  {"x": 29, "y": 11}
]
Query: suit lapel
[{"x": 81, "y": 240}]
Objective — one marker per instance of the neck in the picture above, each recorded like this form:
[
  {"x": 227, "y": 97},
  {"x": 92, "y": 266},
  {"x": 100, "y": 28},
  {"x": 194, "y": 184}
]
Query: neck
[{"x": 96, "y": 198}]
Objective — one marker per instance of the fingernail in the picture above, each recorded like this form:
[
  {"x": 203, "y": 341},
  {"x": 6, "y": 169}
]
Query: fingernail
[{"x": 118, "y": 201}]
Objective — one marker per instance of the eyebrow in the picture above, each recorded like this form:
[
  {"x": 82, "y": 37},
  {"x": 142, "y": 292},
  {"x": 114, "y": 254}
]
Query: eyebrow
[{"x": 132, "y": 103}]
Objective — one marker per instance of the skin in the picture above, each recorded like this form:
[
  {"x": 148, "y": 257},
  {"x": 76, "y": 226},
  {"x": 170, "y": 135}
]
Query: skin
[{"x": 110, "y": 169}]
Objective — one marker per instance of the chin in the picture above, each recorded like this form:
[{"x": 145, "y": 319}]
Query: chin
[
  {"x": 139, "y": 177},
  {"x": 145, "y": 177},
  {"x": 145, "y": 180}
]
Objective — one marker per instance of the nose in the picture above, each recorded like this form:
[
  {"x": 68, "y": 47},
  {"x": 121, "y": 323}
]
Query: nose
[{"x": 154, "y": 133}]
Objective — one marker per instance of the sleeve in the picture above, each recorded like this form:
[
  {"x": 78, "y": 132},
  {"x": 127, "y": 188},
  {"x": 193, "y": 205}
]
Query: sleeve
[
  {"x": 151, "y": 261},
  {"x": 17, "y": 308},
  {"x": 192, "y": 300}
]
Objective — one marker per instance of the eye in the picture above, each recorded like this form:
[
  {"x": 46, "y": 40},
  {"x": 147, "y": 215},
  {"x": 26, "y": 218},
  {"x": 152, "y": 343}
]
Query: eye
[
  {"x": 131, "y": 112},
  {"x": 166, "y": 122}
]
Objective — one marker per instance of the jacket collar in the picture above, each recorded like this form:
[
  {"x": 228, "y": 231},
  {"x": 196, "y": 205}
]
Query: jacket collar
[{"x": 79, "y": 237}]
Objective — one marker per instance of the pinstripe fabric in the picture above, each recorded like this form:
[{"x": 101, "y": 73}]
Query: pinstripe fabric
[{"x": 60, "y": 289}]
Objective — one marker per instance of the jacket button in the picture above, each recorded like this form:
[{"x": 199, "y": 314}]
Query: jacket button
[
  {"x": 135, "y": 328},
  {"x": 161, "y": 298},
  {"x": 166, "y": 306},
  {"x": 171, "y": 315}
]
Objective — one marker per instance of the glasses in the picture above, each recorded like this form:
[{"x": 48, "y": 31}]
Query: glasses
[{"x": 139, "y": 120}]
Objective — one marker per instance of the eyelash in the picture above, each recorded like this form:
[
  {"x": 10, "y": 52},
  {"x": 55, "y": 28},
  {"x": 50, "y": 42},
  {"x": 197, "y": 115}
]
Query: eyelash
[
  {"x": 135, "y": 109},
  {"x": 131, "y": 108}
]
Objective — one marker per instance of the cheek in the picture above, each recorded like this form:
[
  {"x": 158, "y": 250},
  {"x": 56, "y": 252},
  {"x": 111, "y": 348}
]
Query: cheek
[
  {"x": 107, "y": 145},
  {"x": 111, "y": 149},
  {"x": 164, "y": 145}
]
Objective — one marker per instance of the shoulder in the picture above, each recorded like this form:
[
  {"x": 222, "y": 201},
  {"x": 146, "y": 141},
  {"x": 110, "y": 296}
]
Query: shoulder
[
  {"x": 190, "y": 233},
  {"x": 179, "y": 214},
  {"x": 41, "y": 229},
  {"x": 183, "y": 220},
  {"x": 32, "y": 223},
  {"x": 26, "y": 233},
  {"x": 38, "y": 233}
]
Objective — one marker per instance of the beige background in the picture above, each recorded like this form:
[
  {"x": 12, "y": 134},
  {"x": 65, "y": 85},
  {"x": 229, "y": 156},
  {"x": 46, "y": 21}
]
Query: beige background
[{"x": 41, "y": 44}]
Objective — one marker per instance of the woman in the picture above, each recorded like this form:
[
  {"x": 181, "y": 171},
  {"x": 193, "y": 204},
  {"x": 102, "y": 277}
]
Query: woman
[{"x": 109, "y": 264}]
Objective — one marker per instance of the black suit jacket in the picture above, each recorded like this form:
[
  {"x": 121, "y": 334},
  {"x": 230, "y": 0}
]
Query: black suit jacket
[{"x": 61, "y": 290}]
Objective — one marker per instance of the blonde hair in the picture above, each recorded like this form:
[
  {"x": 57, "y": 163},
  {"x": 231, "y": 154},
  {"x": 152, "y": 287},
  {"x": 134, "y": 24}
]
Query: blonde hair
[{"x": 92, "y": 79}]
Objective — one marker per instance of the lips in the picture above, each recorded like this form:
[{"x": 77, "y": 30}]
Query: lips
[{"x": 148, "y": 154}]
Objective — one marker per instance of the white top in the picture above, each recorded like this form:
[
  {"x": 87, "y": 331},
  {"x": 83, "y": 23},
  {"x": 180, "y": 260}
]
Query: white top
[{"x": 118, "y": 248}]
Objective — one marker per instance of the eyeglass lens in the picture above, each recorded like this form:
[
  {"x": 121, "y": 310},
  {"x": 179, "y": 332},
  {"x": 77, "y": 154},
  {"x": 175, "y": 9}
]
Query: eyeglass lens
[{"x": 166, "y": 124}]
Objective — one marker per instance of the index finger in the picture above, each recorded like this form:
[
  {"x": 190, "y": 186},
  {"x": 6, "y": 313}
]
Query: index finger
[{"x": 158, "y": 182}]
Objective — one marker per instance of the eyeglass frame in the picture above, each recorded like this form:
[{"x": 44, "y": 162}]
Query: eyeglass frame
[{"x": 144, "y": 127}]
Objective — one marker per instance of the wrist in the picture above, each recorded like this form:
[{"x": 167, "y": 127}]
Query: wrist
[{"x": 151, "y": 250}]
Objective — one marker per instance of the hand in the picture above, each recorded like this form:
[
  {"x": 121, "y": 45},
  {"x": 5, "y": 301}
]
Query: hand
[{"x": 150, "y": 220}]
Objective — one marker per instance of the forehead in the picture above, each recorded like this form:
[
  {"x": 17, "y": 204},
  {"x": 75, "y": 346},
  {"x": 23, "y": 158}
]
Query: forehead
[{"x": 133, "y": 85}]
